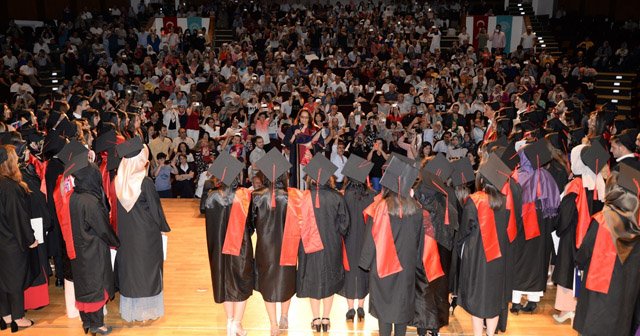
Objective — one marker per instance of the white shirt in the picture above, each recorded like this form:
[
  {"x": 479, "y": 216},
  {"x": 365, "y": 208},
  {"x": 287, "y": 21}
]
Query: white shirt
[
  {"x": 527, "y": 40},
  {"x": 339, "y": 161},
  {"x": 631, "y": 155}
]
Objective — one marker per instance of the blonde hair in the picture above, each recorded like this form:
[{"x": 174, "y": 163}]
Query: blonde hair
[{"x": 10, "y": 169}]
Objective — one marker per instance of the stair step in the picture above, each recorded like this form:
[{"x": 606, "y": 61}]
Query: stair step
[
  {"x": 610, "y": 97},
  {"x": 620, "y": 107}
]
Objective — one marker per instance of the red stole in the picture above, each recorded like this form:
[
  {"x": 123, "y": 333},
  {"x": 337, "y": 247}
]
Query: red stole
[
  {"x": 300, "y": 224},
  {"x": 603, "y": 258},
  {"x": 237, "y": 221},
  {"x": 110, "y": 191},
  {"x": 61, "y": 196},
  {"x": 41, "y": 168},
  {"x": 530, "y": 220},
  {"x": 584, "y": 218},
  {"x": 430, "y": 253},
  {"x": 487, "y": 224},
  {"x": 512, "y": 229},
  {"x": 387, "y": 261}
]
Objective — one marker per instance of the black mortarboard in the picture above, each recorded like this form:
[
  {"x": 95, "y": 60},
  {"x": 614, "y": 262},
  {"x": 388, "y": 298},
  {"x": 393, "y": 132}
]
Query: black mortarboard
[
  {"x": 30, "y": 134},
  {"x": 495, "y": 171},
  {"x": 399, "y": 176},
  {"x": 53, "y": 144},
  {"x": 357, "y": 168},
  {"x": 67, "y": 128},
  {"x": 74, "y": 156},
  {"x": 629, "y": 178},
  {"x": 113, "y": 161},
  {"x": 439, "y": 166},
  {"x": 226, "y": 168},
  {"x": 495, "y": 105},
  {"x": 508, "y": 112},
  {"x": 273, "y": 164},
  {"x": 130, "y": 148},
  {"x": 500, "y": 142},
  {"x": 414, "y": 163},
  {"x": 538, "y": 153},
  {"x": 537, "y": 117},
  {"x": 105, "y": 142},
  {"x": 509, "y": 156},
  {"x": 525, "y": 97},
  {"x": 595, "y": 156},
  {"x": 576, "y": 134},
  {"x": 558, "y": 140},
  {"x": 628, "y": 138},
  {"x": 462, "y": 172},
  {"x": 433, "y": 182},
  {"x": 320, "y": 169}
]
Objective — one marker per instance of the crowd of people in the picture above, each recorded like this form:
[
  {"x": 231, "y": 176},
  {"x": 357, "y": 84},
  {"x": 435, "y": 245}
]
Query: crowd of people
[{"x": 482, "y": 168}]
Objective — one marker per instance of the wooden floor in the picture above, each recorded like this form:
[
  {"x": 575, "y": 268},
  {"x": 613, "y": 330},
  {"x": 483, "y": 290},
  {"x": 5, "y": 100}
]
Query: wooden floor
[{"x": 190, "y": 310}]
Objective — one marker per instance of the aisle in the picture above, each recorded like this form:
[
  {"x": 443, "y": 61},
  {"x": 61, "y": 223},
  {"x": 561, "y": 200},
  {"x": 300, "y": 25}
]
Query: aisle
[{"x": 190, "y": 310}]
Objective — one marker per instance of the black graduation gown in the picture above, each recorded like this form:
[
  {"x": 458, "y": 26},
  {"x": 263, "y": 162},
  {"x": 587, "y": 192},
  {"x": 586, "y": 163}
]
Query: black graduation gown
[
  {"x": 92, "y": 236},
  {"x": 432, "y": 298},
  {"x": 392, "y": 298},
  {"x": 483, "y": 289},
  {"x": 356, "y": 280},
  {"x": 54, "y": 241},
  {"x": 276, "y": 283},
  {"x": 612, "y": 313},
  {"x": 231, "y": 276},
  {"x": 16, "y": 236},
  {"x": 531, "y": 264},
  {"x": 559, "y": 174},
  {"x": 38, "y": 209},
  {"x": 566, "y": 230},
  {"x": 139, "y": 261},
  {"x": 321, "y": 274}
]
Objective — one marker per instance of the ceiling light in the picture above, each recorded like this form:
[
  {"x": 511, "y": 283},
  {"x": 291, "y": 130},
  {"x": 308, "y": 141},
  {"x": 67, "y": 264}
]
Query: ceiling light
[
  {"x": 616, "y": 91},
  {"x": 618, "y": 77},
  {"x": 614, "y": 100}
]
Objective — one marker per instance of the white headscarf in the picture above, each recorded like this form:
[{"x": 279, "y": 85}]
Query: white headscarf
[
  {"x": 589, "y": 178},
  {"x": 128, "y": 181}
]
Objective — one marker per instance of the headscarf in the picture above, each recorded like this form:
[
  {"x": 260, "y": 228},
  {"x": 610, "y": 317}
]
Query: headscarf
[
  {"x": 88, "y": 180},
  {"x": 529, "y": 177},
  {"x": 621, "y": 216},
  {"x": 128, "y": 181},
  {"x": 589, "y": 178}
]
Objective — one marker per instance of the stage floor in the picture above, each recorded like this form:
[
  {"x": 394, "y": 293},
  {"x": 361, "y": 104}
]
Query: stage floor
[{"x": 190, "y": 310}]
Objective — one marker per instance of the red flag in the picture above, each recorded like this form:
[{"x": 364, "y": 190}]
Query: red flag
[
  {"x": 479, "y": 21},
  {"x": 169, "y": 22}
]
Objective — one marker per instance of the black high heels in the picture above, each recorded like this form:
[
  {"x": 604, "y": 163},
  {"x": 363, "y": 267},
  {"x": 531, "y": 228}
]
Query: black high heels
[
  {"x": 515, "y": 308},
  {"x": 314, "y": 326},
  {"x": 360, "y": 314},
  {"x": 454, "y": 304},
  {"x": 325, "y": 326},
  {"x": 530, "y": 307},
  {"x": 351, "y": 314},
  {"x": 86, "y": 330},
  {"x": 3, "y": 324},
  {"x": 15, "y": 327}
]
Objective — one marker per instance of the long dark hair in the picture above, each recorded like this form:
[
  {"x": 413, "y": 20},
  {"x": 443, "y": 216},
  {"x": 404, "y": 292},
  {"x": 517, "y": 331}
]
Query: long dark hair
[
  {"x": 398, "y": 204},
  {"x": 496, "y": 198}
]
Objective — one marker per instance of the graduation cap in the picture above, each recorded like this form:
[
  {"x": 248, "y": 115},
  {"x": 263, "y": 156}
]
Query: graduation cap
[
  {"x": 508, "y": 112},
  {"x": 105, "y": 141},
  {"x": 399, "y": 176},
  {"x": 525, "y": 97},
  {"x": 53, "y": 144},
  {"x": 226, "y": 168},
  {"x": 357, "y": 168},
  {"x": 495, "y": 171},
  {"x": 500, "y": 142},
  {"x": 439, "y": 166},
  {"x": 320, "y": 169},
  {"x": 537, "y": 117},
  {"x": 627, "y": 138},
  {"x": 495, "y": 105},
  {"x": 595, "y": 157},
  {"x": 558, "y": 140},
  {"x": 629, "y": 179},
  {"x": 414, "y": 163},
  {"x": 273, "y": 165},
  {"x": 30, "y": 134},
  {"x": 462, "y": 172},
  {"x": 130, "y": 148},
  {"x": 67, "y": 128},
  {"x": 538, "y": 153},
  {"x": 576, "y": 135},
  {"x": 74, "y": 156}
]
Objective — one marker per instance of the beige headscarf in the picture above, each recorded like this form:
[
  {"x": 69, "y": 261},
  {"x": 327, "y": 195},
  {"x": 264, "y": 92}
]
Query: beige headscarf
[
  {"x": 128, "y": 181},
  {"x": 590, "y": 180}
]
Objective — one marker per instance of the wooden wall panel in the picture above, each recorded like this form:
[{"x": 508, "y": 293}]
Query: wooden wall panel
[{"x": 21, "y": 10}]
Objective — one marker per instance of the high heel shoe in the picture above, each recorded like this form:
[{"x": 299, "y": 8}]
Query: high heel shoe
[
  {"x": 454, "y": 304},
  {"x": 230, "y": 330},
  {"x": 326, "y": 326},
  {"x": 238, "y": 330},
  {"x": 15, "y": 327},
  {"x": 515, "y": 308},
  {"x": 360, "y": 314},
  {"x": 284, "y": 323},
  {"x": 100, "y": 331},
  {"x": 314, "y": 326},
  {"x": 530, "y": 307},
  {"x": 563, "y": 318},
  {"x": 351, "y": 314},
  {"x": 86, "y": 330},
  {"x": 3, "y": 324}
]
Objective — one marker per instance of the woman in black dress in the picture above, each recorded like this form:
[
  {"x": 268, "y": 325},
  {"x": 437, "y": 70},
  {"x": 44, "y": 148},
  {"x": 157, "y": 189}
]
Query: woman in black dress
[
  {"x": 183, "y": 173},
  {"x": 229, "y": 241},
  {"x": 16, "y": 238}
]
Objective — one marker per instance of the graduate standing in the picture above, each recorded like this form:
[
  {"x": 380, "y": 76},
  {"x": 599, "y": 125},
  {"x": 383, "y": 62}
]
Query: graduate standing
[
  {"x": 229, "y": 241},
  {"x": 393, "y": 249},
  {"x": 320, "y": 270},
  {"x": 484, "y": 243},
  {"x": 576, "y": 208},
  {"x": 268, "y": 213},
  {"x": 16, "y": 238},
  {"x": 357, "y": 196},
  {"x": 91, "y": 237},
  {"x": 610, "y": 258},
  {"x": 141, "y": 222}
]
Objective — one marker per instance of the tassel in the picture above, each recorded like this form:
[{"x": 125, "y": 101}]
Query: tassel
[
  {"x": 595, "y": 190},
  {"x": 539, "y": 188},
  {"x": 368, "y": 182},
  {"x": 399, "y": 202},
  {"x": 273, "y": 187},
  {"x": 318, "y": 189},
  {"x": 446, "y": 195},
  {"x": 224, "y": 173}
]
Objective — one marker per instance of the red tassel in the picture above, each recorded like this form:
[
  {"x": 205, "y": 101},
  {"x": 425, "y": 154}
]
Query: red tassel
[
  {"x": 446, "y": 209},
  {"x": 273, "y": 187},
  {"x": 368, "y": 182},
  {"x": 595, "y": 190},
  {"x": 538, "y": 189},
  {"x": 318, "y": 189},
  {"x": 399, "y": 202}
]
